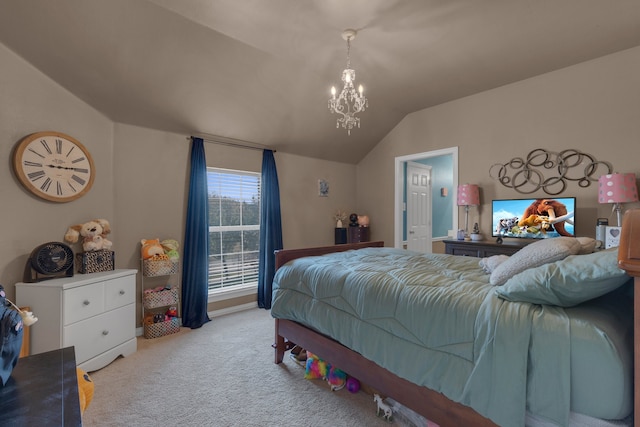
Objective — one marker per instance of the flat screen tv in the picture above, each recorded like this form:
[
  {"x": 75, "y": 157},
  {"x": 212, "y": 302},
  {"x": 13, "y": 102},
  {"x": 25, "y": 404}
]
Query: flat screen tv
[{"x": 534, "y": 218}]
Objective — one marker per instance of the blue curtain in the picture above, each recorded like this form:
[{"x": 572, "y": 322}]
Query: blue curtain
[
  {"x": 195, "y": 267},
  {"x": 270, "y": 228}
]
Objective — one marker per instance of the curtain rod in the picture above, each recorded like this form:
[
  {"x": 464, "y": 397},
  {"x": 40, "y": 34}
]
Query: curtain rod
[{"x": 232, "y": 142}]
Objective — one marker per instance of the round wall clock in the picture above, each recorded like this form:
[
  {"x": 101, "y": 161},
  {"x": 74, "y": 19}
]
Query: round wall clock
[{"x": 53, "y": 166}]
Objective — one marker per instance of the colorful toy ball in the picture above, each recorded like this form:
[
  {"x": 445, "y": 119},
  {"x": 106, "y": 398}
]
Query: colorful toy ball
[{"x": 353, "y": 385}]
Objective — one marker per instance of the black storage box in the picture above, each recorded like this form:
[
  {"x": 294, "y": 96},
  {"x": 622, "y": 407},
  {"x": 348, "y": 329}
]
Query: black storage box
[{"x": 95, "y": 261}]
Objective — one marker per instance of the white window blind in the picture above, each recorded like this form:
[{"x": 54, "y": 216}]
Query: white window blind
[{"x": 234, "y": 228}]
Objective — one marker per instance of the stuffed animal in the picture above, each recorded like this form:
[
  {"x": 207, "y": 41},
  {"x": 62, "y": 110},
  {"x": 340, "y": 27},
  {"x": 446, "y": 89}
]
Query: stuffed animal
[
  {"x": 170, "y": 247},
  {"x": 93, "y": 235},
  {"x": 85, "y": 389},
  {"x": 94, "y": 243},
  {"x": 317, "y": 368},
  {"x": 151, "y": 248}
]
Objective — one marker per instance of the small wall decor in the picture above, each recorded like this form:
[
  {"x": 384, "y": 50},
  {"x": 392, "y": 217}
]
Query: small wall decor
[
  {"x": 549, "y": 171},
  {"x": 323, "y": 188}
]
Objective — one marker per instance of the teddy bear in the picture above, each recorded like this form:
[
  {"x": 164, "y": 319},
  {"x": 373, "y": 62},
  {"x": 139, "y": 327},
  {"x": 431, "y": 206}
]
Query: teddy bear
[
  {"x": 93, "y": 235},
  {"x": 94, "y": 243},
  {"x": 151, "y": 248}
]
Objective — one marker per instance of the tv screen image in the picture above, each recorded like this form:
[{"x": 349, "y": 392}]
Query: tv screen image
[{"x": 534, "y": 218}]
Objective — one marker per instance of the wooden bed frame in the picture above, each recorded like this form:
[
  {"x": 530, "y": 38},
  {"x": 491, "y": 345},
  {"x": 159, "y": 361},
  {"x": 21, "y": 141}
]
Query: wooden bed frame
[{"x": 431, "y": 404}]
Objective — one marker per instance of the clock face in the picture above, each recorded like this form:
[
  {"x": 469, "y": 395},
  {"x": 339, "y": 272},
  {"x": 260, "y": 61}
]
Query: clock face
[{"x": 53, "y": 166}]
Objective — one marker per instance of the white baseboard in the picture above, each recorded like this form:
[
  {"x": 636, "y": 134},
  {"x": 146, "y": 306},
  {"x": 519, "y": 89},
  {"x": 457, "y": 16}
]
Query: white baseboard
[
  {"x": 234, "y": 309},
  {"x": 216, "y": 313}
]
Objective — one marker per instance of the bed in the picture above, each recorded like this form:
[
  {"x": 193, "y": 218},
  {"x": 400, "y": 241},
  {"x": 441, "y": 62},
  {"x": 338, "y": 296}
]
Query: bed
[{"x": 461, "y": 351}]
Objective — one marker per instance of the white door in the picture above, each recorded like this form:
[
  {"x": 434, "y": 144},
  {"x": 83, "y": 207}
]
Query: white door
[{"x": 418, "y": 207}]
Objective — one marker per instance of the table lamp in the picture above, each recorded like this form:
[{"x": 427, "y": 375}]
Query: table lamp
[
  {"x": 468, "y": 195},
  {"x": 617, "y": 188}
]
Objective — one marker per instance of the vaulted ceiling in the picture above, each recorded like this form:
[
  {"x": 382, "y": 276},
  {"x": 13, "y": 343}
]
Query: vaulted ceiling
[{"x": 261, "y": 70}]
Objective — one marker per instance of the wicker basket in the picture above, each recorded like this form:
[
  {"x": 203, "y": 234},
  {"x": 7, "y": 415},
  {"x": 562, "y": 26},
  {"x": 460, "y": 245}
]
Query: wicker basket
[
  {"x": 160, "y": 267},
  {"x": 160, "y": 329},
  {"x": 160, "y": 298}
]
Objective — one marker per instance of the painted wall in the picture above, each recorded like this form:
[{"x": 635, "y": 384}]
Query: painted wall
[
  {"x": 31, "y": 102},
  {"x": 142, "y": 177},
  {"x": 592, "y": 107}
]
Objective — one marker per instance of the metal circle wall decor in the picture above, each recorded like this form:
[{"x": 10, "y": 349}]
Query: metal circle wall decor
[{"x": 549, "y": 171}]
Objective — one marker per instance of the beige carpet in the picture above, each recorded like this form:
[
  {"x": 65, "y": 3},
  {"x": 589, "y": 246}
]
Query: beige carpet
[{"x": 219, "y": 375}]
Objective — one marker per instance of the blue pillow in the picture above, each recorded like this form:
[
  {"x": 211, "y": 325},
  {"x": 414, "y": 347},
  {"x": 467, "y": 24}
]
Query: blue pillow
[{"x": 567, "y": 282}]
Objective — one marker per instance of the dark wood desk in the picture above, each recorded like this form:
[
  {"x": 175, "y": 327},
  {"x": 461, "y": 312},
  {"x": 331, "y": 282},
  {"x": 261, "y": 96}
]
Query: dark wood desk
[{"x": 42, "y": 391}]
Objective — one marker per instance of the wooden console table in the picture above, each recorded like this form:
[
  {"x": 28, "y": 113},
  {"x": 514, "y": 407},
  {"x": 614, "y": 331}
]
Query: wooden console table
[
  {"x": 482, "y": 248},
  {"x": 42, "y": 391}
]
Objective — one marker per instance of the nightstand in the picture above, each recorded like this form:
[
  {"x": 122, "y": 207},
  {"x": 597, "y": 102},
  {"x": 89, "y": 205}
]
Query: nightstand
[{"x": 358, "y": 234}]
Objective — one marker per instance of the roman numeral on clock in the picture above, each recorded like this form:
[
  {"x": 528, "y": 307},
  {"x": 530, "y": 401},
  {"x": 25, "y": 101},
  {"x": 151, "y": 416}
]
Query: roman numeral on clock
[
  {"x": 46, "y": 146},
  {"x": 34, "y": 176},
  {"x": 77, "y": 179},
  {"x": 36, "y": 153},
  {"x": 46, "y": 184}
]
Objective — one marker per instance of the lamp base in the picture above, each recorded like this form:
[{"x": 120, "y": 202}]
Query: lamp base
[{"x": 618, "y": 209}]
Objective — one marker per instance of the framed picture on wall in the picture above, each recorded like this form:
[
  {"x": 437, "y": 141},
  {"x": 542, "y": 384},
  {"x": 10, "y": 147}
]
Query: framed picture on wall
[{"x": 323, "y": 188}]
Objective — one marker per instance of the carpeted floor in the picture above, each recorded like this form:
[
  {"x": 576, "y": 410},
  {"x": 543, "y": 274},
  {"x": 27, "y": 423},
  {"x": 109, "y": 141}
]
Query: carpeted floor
[{"x": 220, "y": 375}]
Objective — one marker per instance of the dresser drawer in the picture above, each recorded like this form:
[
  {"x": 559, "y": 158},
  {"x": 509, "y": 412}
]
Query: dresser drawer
[
  {"x": 465, "y": 251},
  {"x": 119, "y": 292},
  {"x": 83, "y": 302},
  {"x": 100, "y": 333}
]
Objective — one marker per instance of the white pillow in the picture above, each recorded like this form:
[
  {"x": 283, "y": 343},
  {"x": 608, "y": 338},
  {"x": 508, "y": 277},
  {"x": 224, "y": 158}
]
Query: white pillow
[
  {"x": 489, "y": 264},
  {"x": 534, "y": 255}
]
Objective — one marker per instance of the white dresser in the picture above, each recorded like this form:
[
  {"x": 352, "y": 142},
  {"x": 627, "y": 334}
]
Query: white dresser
[{"x": 93, "y": 312}]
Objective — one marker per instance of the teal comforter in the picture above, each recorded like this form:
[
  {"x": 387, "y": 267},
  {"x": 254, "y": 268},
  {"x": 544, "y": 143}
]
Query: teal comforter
[{"x": 435, "y": 321}]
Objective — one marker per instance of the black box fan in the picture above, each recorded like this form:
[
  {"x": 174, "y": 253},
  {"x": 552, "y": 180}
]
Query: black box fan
[{"x": 48, "y": 261}]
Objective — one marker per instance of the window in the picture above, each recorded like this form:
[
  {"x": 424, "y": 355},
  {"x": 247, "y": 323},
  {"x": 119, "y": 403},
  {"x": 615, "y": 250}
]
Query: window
[{"x": 234, "y": 228}]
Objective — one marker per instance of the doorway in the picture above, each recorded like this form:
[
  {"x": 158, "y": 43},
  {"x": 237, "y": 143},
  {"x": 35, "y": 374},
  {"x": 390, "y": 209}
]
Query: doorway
[{"x": 442, "y": 212}]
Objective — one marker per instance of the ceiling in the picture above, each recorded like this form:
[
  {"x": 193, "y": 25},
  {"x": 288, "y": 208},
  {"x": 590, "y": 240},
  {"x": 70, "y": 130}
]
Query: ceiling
[{"x": 260, "y": 71}]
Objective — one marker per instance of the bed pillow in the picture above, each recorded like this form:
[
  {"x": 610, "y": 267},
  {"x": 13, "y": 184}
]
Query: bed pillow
[
  {"x": 534, "y": 255},
  {"x": 488, "y": 264},
  {"x": 568, "y": 282},
  {"x": 588, "y": 245}
]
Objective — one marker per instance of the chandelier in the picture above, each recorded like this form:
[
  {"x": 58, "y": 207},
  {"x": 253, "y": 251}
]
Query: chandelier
[{"x": 350, "y": 102}]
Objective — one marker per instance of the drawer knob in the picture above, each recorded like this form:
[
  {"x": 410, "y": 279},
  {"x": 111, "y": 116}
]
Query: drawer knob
[
  {"x": 105, "y": 332},
  {"x": 86, "y": 302},
  {"x": 122, "y": 292}
]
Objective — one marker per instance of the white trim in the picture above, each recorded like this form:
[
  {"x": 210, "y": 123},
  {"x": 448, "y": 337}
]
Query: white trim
[
  {"x": 233, "y": 309},
  {"x": 231, "y": 292}
]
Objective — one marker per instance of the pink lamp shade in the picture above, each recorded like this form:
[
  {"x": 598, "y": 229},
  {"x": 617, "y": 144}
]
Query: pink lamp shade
[
  {"x": 617, "y": 188},
  {"x": 468, "y": 195}
]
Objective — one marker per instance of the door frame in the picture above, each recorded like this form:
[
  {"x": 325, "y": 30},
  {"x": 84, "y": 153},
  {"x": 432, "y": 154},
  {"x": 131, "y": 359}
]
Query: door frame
[{"x": 400, "y": 183}]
